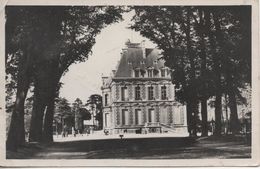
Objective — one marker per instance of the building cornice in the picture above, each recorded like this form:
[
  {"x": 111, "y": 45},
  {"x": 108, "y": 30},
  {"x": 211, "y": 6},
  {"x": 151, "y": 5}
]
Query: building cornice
[
  {"x": 144, "y": 103},
  {"x": 140, "y": 78}
]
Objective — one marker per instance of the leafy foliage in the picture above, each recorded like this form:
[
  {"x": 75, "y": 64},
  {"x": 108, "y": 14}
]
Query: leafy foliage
[
  {"x": 95, "y": 101},
  {"x": 62, "y": 110},
  {"x": 207, "y": 48},
  {"x": 84, "y": 114}
]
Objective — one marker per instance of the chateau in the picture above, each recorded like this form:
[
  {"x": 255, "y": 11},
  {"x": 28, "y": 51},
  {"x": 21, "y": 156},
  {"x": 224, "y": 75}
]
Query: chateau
[{"x": 139, "y": 97}]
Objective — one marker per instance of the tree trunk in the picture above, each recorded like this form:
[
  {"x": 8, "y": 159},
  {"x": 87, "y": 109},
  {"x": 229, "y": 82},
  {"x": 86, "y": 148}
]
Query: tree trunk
[
  {"x": 41, "y": 97},
  {"x": 204, "y": 116},
  {"x": 189, "y": 116},
  {"x": 48, "y": 121},
  {"x": 216, "y": 66},
  {"x": 16, "y": 134},
  {"x": 203, "y": 91},
  {"x": 218, "y": 112},
  {"x": 39, "y": 105},
  {"x": 234, "y": 122},
  {"x": 192, "y": 112},
  {"x": 192, "y": 92}
]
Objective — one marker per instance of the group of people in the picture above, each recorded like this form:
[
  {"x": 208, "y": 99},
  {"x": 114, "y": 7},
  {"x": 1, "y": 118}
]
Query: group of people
[{"x": 74, "y": 132}]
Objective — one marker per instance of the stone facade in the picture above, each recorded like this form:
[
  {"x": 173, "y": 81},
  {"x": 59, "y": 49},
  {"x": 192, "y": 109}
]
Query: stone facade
[{"x": 139, "y": 96}]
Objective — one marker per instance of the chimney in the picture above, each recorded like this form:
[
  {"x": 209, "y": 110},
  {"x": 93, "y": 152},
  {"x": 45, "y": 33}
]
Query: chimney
[
  {"x": 128, "y": 43},
  {"x": 104, "y": 79},
  {"x": 113, "y": 73}
]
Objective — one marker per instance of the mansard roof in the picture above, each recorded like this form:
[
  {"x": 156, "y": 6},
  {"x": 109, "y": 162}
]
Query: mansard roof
[{"x": 137, "y": 57}]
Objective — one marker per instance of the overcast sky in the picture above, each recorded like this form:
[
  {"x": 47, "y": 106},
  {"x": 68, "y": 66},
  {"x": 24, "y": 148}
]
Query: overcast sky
[{"x": 84, "y": 79}]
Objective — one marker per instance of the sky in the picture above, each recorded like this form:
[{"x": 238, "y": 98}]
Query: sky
[{"x": 84, "y": 79}]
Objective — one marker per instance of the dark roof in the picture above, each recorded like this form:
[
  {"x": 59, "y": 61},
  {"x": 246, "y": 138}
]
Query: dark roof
[{"x": 137, "y": 57}]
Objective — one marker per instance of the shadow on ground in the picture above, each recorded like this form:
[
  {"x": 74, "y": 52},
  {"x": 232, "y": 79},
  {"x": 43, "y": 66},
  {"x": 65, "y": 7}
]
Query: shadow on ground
[{"x": 142, "y": 148}]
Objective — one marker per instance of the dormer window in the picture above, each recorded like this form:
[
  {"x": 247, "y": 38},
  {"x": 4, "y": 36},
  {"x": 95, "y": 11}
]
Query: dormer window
[
  {"x": 129, "y": 63},
  {"x": 155, "y": 72},
  {"x": 137, "y": 73},
  {"x": 142, "y": 72},
  {"x": 168, "y": 71},
  {"x": 163, "y": 73},
  {"x": 150, "y": 72},
  {"x": 155, "y": 62}
]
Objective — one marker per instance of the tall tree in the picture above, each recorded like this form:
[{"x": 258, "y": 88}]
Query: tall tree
[
  {"x": 171, "y": 28},
  {"x": 200, "y": 18},
  {"x": 95, "y": 102},
  {"x": 76, "y": 106},
  {"x": 233, "y": 34},
  {"x": 19, "y": 54},
  {"x": 50, "y": 39},
  {"x": 80, "y": 30},
  {"x": 63, "y": 113},
  {"x": 202, "y": 45}
]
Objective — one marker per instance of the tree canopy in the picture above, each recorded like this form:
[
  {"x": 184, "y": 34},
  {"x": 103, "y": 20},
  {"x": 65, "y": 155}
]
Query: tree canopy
[
  {"x": 41, "y": 43},
  {"x": 203, "y": 47}
]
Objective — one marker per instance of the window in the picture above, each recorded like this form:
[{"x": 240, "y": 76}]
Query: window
[
  {"x": 163, "y": 72},
  {"x": 151, "y": 115},
  {"x": 137, "y": 116},
  {"x": 150, "y": 73},
  {"x": 137, "y": 73},
  {"x": 124, "y": 93},
  {"x": 168, "y": 72},
  {"x": 106, "y": 119},
  {"x": 150, "y": 93},
  {"x": 106, "y": 99},
  {"x": 163, "y": 92},
  {"x": 137, "y": 93},
  {"x": 142, "y": 72},
  {"x": 124, "y": 117},
  {"x": 155, "y": 72}
]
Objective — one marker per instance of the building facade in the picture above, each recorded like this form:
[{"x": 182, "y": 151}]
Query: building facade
[{"x": 139, "y": 97}]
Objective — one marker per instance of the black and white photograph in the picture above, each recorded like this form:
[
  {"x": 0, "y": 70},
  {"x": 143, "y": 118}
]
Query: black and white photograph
[{"x": 134, "y": 82}]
